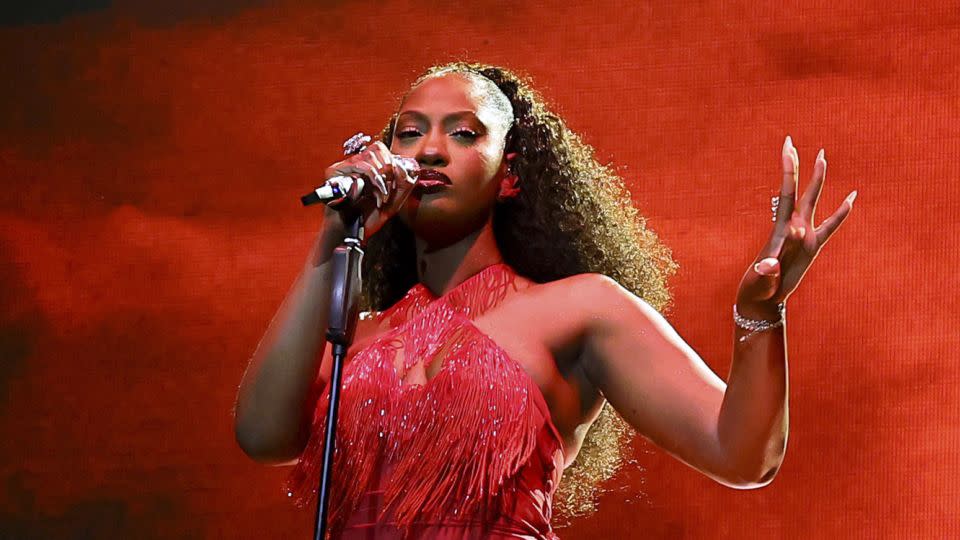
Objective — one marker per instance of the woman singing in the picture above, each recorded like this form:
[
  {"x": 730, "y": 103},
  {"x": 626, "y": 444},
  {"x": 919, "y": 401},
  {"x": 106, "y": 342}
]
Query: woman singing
[{"x": 514, "y": 292}]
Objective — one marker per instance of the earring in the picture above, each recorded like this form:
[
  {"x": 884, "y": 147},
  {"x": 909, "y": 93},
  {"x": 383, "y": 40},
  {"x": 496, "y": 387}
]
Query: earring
[{"x": 509, "y": 186}]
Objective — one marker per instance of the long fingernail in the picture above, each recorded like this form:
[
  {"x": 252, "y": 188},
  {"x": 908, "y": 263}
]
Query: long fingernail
[
  {"x": 820, "y": 155},
  {"x": 851, "y": 197},
  {"x": 769, "y": 266},
  {"x": 787, "y": 143}
]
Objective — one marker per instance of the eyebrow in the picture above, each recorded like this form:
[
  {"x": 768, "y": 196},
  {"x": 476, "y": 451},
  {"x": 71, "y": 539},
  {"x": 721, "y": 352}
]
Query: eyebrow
[{"x": 447, "y": 120}]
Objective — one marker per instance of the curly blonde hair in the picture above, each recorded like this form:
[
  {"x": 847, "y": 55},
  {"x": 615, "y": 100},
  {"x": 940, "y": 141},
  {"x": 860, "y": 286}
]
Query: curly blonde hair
[{"x": 573, "y": 215}]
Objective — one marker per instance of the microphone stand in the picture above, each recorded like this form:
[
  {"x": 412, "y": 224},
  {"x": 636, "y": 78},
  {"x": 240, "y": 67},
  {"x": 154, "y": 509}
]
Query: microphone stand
[{"x": 344, "y": 310}]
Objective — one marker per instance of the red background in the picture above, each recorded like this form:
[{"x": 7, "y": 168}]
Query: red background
[{"x": 152, "y": 158}]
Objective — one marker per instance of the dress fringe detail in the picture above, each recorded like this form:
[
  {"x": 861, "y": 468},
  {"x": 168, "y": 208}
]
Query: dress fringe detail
[{"x": 449, "y": 448}]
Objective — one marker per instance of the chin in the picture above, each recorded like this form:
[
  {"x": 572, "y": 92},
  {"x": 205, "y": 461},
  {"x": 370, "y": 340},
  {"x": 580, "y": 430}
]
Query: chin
[{"x": 441, "y": 223}]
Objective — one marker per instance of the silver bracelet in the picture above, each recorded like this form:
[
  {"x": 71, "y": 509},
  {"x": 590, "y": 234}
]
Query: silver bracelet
[{"x": 755, "y": 325}]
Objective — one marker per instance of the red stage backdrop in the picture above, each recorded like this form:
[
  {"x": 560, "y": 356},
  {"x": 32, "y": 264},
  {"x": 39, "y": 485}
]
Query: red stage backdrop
[{"x": 151, "y": 161}]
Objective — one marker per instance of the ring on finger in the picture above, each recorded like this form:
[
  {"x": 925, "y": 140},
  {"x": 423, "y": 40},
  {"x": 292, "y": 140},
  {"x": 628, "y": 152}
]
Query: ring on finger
[
  {"x": 774, "y": 204},
  {"x": 355, "y": 144}
]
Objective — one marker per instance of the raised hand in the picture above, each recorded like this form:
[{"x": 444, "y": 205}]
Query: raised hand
[
  {"x": 794, "y": 242},
  {"x": 391, "y": 184}
]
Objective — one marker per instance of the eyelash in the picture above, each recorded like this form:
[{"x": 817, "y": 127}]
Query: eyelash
[
  {"x": 408, "y": 133},
  {"x": 470, "y": 134}
]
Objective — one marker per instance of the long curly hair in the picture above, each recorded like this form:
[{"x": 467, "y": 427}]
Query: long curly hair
[{"x": 573, "y": 215}]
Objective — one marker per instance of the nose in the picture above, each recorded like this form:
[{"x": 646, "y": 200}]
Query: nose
[{"x": 432, "y": 151}]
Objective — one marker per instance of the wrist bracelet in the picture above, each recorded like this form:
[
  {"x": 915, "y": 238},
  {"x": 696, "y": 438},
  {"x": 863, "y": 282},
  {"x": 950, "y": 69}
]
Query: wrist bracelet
[{"x": 755, "y": 325}]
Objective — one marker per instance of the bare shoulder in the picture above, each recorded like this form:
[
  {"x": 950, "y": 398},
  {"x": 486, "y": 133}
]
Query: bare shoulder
[
  {"x": 561, "y": 314},
  {"x": 590, "y": 296},
  {"x": 585, "y": 310},
  {"x": 546, "y": 327},
  {"x": 584, "y": 284}
]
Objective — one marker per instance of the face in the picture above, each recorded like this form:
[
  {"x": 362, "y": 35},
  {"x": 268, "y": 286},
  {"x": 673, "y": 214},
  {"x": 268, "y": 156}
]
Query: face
[{"x": 453, "y": 125}]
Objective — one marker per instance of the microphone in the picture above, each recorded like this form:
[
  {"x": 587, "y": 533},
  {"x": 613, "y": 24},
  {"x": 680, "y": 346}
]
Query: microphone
[{"x": 336, "y": 188}]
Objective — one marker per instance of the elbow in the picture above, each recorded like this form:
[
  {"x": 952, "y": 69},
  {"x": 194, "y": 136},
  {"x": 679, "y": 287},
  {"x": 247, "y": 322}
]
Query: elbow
[
  {"x": 768, "y": 476},
  {"x": 267, "y": 448},
  {"x": 752, "y": 471},
  {"x": 756, "y": 479}
]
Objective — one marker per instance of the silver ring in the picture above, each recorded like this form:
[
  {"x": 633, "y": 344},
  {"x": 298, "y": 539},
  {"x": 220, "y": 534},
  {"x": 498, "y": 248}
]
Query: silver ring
[
  {"x": 355, "y": 144},
  {"x": 774, "y": 203}
]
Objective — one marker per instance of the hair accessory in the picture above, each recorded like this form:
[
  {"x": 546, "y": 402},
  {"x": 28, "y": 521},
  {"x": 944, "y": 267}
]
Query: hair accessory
[
  {"x": 755, "y": 325},
  {"x": 774, "y": 203},
  {"x": 355, "y": 144}
]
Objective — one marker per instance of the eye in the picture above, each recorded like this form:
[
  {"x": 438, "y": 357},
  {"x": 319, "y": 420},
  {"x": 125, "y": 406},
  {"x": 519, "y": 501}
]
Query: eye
[
  {"x": 407, "y": 133},
  {"x": 465, "y": 133}
]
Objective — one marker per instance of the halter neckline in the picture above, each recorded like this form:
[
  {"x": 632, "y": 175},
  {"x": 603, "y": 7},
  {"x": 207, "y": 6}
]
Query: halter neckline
[{"x": 500, "y": 268}]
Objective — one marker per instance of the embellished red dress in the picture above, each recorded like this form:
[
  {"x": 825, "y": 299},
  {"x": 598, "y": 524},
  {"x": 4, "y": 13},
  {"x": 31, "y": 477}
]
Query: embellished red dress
[{"x": 471, "y": 453}]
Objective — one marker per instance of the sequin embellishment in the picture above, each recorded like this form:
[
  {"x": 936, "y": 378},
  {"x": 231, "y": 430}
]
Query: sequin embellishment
[{"x": 453, "y": 445}]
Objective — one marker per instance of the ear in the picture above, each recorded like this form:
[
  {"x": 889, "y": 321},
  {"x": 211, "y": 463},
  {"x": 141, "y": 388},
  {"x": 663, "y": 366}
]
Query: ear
[
  {"x": 507, "y": 162},
  {"x": 509, "y": 183}
]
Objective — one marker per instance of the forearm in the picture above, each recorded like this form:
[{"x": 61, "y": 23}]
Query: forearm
[
  {"x": 753, "y": 420},
  {"x": 271, "y": 410}
]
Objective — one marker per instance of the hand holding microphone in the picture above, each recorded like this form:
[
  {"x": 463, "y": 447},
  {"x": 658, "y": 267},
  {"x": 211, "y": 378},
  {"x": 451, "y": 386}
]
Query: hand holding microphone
[
  {"x": 372, "y": 180},
  {"x": 337, "y": 188}
]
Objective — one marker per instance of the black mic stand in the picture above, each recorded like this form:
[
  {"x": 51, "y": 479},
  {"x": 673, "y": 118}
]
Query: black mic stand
[{"x": 344, "y": 310}]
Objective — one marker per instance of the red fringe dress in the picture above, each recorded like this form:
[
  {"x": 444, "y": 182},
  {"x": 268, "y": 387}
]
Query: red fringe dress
[{"x": 471, "y": 453}]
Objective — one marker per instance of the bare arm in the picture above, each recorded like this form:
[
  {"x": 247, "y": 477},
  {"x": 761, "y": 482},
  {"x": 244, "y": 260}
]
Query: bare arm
[
  {"x": 733, "y": 431},
  {"x": 272, "y": 413}
]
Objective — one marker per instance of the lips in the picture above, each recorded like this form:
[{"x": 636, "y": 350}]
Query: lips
[
  {"x": 431, "y": 181},
  {"x": 431, "y": 177}
]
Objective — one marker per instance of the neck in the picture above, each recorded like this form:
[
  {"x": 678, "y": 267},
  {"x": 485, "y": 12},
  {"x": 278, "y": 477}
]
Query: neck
[{"x": 442, "y": 269}]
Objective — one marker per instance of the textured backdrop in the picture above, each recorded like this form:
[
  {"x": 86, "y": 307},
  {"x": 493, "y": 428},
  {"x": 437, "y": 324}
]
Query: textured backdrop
[{"x": 151, "y": 159}]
